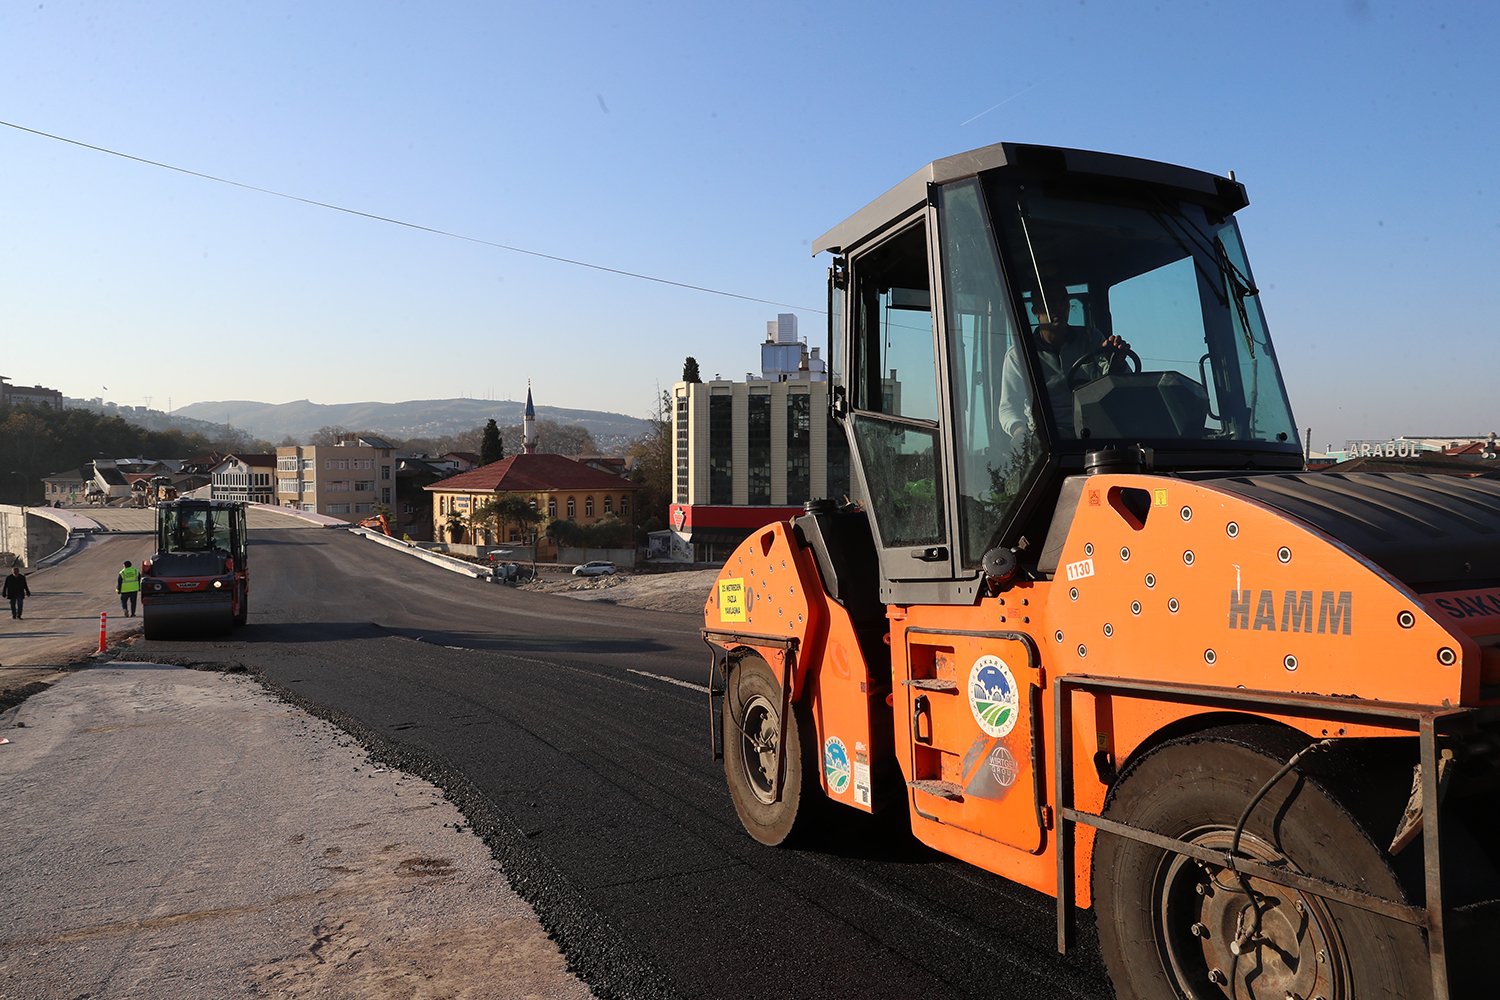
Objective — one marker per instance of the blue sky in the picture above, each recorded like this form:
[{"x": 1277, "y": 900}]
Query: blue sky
[{"x": 705, "y": 144}]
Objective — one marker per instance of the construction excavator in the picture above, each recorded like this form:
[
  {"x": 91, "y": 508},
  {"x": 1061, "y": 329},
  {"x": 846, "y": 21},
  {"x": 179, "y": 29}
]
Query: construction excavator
[
  {"x": 1093, "y": 628},
  {"x": 377, "y": 523}
]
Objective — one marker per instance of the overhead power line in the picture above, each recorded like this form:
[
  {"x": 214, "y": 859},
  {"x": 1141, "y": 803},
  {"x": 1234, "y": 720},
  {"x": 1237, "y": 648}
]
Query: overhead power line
[{"x": 399, "y": 222}]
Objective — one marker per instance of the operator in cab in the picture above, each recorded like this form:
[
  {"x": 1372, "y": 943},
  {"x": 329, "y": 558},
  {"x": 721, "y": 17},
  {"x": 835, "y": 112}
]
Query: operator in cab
[{"x": 1070, "y": 356}]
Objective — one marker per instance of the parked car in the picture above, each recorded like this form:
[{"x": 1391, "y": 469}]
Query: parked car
[{"x": 599, "y": 567}]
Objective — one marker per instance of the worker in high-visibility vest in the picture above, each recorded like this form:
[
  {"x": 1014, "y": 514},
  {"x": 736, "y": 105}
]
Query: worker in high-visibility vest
[{"x": 128, "y": 585}]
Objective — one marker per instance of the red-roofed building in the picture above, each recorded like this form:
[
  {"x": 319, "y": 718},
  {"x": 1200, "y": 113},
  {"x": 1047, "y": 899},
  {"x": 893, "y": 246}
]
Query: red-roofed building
[
  {"x": 558, "y": 487},
  {"x": 1477, "y": 450}
]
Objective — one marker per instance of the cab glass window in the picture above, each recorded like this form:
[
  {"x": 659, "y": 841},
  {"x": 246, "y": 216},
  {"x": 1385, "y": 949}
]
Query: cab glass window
[
  {"x": 896, "y": 371},
  {"x": 1142, "y": 319},
  {"x": 893, "y": 389},
  {"x": 998, "y": 447}
]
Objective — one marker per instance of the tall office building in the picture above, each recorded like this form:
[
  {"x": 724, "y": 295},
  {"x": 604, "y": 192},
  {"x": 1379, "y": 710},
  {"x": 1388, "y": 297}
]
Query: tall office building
[{"x": 749, "y": 453}]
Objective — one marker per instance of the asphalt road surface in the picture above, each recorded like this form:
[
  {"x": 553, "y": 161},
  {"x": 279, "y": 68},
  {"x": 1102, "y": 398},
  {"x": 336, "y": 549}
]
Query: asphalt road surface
[
  {"x": 61, "y": 624},
  {"x": 574, "y": 737}
]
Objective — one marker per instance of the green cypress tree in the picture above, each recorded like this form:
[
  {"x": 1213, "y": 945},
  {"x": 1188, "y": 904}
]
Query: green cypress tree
[{"x": 491, "y": 449}]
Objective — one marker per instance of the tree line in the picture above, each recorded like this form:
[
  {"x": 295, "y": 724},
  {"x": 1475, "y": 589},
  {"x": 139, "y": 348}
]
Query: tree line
[{"x": 39, "y": 441}]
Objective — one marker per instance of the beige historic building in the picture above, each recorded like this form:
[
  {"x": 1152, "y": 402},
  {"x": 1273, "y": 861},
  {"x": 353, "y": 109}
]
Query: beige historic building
[{"x": 559, "y": 488}]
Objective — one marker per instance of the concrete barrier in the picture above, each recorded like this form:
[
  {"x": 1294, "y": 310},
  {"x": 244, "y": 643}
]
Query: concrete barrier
[
  {"x": 436, "y": 558},
  {"x": 31, "y": 535},
  {"x": 12, "y": 536}
]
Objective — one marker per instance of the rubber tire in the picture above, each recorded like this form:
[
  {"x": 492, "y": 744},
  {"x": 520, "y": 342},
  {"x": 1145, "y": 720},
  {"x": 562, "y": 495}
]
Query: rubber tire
[
  {"x": 790, "y": 820},
  {"x": 1205, "y": 781}
]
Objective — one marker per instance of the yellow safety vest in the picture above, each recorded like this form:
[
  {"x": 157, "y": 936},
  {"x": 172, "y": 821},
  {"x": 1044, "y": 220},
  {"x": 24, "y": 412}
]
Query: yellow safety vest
[{"x": 130, "y": 580}]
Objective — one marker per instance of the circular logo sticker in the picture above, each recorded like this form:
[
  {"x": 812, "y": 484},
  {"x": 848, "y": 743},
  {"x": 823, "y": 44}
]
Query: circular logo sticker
[
  {"x": 1003, "y": 766},
  {"x": 992, "y": 696},
  {"x": 835, "y": 764}
]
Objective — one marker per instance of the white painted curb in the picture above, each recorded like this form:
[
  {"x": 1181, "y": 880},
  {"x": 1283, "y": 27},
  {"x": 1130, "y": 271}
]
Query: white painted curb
[{"x": 436, "y": 558}]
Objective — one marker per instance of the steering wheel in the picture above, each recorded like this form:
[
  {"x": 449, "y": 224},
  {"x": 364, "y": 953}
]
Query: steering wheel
[{"x": 1104, "y": 355}]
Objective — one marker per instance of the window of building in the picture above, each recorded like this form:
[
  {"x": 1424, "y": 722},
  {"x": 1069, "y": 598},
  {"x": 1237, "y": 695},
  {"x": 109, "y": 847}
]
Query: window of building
[
  {"x": 609, "y": 505},
  {"x": 338, "y": 508},
  {"x": 287, "y": 463},
  {"x": 385, "y": 494},
  {"x": 552, "y": 507},
  {"x": 572, "y": 507},
  {"x": 307, "y": 465},
  {"x": 798, "y": 448},
  {"x": 368, "y": 507},
  {"x": 310, "y": 508},
  {"x": 385, "y": 472},
  {"x": 287, "y": 485},
  {"x": 624, "y": 505},
  {"x": 720, "y": 450},
  {"x": 758, "y": 466},
  {"x": 682, "y": 448},
  {"x": 337, "y": 486},
  {"x": 588, "y": 506},
  {"x": 364, "y": 486}
]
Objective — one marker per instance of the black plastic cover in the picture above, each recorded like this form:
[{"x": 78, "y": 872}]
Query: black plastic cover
[{"x": 1430, "y": 532}]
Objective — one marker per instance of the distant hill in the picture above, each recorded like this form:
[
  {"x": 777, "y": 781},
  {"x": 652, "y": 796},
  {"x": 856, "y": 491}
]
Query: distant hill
[{"x": 417, "y": 418}]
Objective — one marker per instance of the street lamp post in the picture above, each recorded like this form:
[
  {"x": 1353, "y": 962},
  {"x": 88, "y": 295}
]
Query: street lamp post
[{"x": 26, "y": 485}]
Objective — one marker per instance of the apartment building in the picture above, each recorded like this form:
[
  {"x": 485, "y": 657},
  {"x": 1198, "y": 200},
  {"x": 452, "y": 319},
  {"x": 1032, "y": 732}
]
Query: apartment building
[
  {"x": 36, "y": 395},
  {"x": 346, "y": 480}
]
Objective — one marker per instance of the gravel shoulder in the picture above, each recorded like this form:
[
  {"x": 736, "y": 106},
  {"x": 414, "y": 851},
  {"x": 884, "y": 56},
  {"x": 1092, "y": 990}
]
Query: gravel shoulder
[
  {"x": 680, "y": 590},
  {"x": 175, "y": 833}
]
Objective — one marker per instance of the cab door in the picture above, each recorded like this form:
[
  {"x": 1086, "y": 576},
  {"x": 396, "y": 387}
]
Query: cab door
[
  {"x": 973, "y": 704},
  {"x": 895, "y": 405}
]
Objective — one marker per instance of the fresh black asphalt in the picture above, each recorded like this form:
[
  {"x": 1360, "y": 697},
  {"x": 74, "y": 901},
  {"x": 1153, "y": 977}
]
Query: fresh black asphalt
[{"x": 593, "y": 783}]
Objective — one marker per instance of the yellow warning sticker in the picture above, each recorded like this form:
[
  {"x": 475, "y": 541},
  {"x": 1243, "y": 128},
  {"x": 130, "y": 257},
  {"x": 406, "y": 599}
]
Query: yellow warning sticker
[
  {"x": 1159, "y": 498},
  {"x": 732, "y": 600}
]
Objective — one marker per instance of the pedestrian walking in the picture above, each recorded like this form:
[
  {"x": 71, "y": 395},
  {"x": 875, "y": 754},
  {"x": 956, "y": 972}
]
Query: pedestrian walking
[
  {"x": 15, "y": 590},
  {"x": 128, "y": 586}
]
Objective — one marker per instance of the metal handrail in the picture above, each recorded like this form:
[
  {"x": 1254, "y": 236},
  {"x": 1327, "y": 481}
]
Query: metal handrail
[{"x": 1423, "y": 719}]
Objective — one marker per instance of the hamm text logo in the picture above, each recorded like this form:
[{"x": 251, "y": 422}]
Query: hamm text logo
[{"x": 1335, "y": 613}]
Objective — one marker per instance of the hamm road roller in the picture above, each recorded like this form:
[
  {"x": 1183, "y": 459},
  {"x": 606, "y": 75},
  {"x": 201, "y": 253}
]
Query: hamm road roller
[
  {"x": 1093, "y": 627},
  {"x": 197, "y": 581}
]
